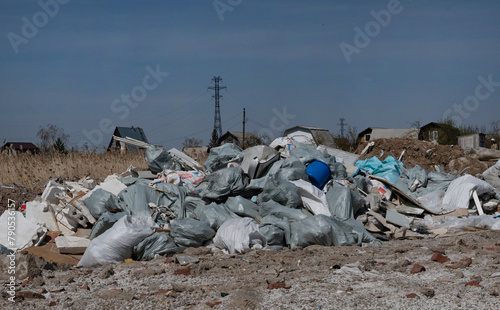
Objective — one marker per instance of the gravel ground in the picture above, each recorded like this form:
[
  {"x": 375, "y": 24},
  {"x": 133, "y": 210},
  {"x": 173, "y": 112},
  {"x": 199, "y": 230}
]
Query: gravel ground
[{"x": 315, "y": 277}]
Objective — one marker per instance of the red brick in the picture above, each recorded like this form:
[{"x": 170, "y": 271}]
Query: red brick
[
  {"x": 58, "y": 291},
  {"x": 472, "y": 283},
  {"x": 85, "y": 287},
  {"x": 25, "y": 282},
  {"x": 438, "y": 257},
  {"x": 412, "y": 295},
  {"x": 52, "y": 303},
  {"x": 273, "y": 286},
  {"x": 169, "y": 260},
  {"x": 183, "y": 271},
  {"x": 417, "y": 268}
]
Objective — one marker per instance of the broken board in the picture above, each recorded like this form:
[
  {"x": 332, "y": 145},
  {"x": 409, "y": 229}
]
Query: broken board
[{"x": 399, "y": 192}]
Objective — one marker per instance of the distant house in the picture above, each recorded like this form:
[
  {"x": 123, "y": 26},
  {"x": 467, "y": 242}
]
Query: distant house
[
  {"x": 310, "y": 135},
  {"x": 19, "y": 147},
  {"x": 372, "y": 133},
  {"x": 237, "y": 138},
  {"x": 441, "y": 133},
  {"x": 198, "y": 153},
  {"x": 473, "y": 141},
  {"x": 123, "y": 132}
]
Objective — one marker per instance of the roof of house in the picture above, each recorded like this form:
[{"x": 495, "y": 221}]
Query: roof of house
[
  {"x": 386, "y": 133},
  {"x": 320, "y": 135},
  {"x": 18, "y": 145},
  {"x": 131, "y": 132},
  {"x": 433, "y": 124}
]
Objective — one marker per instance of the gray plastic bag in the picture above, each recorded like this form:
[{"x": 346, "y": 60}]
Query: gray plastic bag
[
  {"x": 101, "y": 201},
  {"x": 222, "y": 183},
  {"x": 281, "y": 191},
  {"x": 190, "y": 233},
  {"x": 221, "y": 155},
  {"x": 322, "y": 230},
  {"x": 158, "y": 243},
  {"x": 158, "y": 159},
  {"x": 242, "y": 207},
  {"x": 276, "y": 230},
  {"x": 273, "y": 208},
  {"x": 214, "y": 214}
]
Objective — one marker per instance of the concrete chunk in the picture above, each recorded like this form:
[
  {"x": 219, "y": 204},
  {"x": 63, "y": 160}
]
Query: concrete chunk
[
  {"x": 71, "y": 244},
  {"x": 397, "y": 219}
]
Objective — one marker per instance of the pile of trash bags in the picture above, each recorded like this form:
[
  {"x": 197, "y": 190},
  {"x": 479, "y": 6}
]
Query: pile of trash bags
[{"x": 265, "y": 197}]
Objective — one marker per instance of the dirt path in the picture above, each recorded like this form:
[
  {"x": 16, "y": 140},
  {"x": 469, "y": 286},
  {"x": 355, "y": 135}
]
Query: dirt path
[{"x": 316, "y": 277}]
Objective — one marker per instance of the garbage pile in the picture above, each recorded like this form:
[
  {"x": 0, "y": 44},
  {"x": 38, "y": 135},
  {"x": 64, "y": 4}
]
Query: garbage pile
[{"x": 287, "y": 194}]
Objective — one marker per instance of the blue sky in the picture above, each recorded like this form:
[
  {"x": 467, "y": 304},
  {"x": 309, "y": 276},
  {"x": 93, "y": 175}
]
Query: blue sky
[{"x": 425, "y": 60}]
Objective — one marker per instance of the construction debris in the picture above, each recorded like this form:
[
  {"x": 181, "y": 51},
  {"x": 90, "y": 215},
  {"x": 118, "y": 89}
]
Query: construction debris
[{"x": 266, "y": 197}]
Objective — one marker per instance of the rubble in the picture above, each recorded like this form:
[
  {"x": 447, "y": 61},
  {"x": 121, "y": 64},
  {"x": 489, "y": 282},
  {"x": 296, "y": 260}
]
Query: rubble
[{"x": 242, "y": 203}]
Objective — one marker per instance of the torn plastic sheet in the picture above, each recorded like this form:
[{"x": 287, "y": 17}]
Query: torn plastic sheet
[
  {"x": 460, "y": 191},
  {"x": 116, "y": 244},
  {"x": 159, "y": 159},
  {"x": 416, "y": 182},
  {"x": 190, "y": 232},
  {"x": 220, "y": 156},
  {"x": 281, "y": 191},
  {"x": 239, "y": 235},
  {"x": 276, "y": 230},
  {"x": 101, "y": 201},
  {"x": 454, "y": 222},
  {"x": 158, "y": 243},
  {"x": 222, "y": 183},
  {"x": 214, "y": 214},
  {"x": 434, "y": 202},
  {"x": 387, "y": 169},
  {"x": 323, "y": 230},
  {"x": 273, "y": 208},
  {"x": 137, "y": 198},
  {"x": 242, "y": 207},
  {"x": 313, "y": 198}
]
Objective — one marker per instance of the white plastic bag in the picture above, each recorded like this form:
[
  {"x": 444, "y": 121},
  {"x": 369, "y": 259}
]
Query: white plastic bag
[
  {"x": 312, "y": 197},
  {"x": 116, "y": 243},
  {"x": 460, "y": 191},
  {"x": 239, "y": 235}
]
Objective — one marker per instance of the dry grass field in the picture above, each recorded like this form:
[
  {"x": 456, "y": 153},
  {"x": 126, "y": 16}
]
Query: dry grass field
[{"x": 32, "y": 171}]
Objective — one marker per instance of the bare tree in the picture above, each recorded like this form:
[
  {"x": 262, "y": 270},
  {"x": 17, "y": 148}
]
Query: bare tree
[
  {"x": 192, "y": 142},
  {"x": 49, "y": 136}
]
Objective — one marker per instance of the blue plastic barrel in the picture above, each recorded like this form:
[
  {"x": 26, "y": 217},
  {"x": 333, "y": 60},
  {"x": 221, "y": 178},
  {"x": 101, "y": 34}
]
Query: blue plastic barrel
[{"x": 319, "y": 173}]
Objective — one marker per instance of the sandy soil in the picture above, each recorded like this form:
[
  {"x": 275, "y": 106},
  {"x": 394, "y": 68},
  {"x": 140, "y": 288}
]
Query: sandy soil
[{"x": 315, "y": 277}]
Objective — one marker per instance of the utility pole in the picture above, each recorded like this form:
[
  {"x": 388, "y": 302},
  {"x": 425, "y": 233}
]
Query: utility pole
[
  {"x": 342, "y": 124},
  {"x": 243, "y": 142},
  {"x": 217, "y": 96}
]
